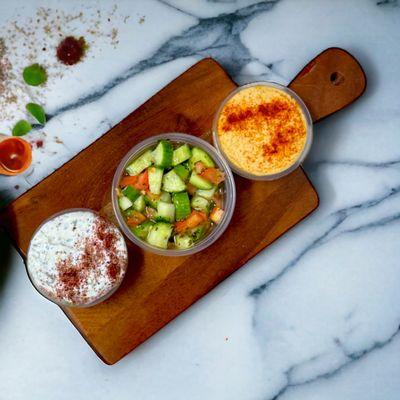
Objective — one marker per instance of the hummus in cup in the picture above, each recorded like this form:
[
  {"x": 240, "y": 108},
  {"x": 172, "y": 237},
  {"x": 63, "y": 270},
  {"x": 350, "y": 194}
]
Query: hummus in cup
[{"x": 264, "y": 130}]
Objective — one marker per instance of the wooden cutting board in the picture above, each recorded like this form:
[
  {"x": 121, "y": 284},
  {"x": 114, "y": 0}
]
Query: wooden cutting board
[{"x": 156, "y": 289}]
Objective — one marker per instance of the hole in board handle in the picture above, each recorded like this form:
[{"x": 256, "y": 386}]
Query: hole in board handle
[{"x": 336, "y": 78}]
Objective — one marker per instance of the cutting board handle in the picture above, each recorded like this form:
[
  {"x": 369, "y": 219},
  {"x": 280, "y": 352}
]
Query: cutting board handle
[{"x": 329, "y": 82}]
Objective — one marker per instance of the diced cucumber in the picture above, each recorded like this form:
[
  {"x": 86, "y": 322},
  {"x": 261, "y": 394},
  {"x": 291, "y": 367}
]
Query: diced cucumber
[
  {"x": 165, "y": 197},
  {"x": 124, "y": 203},
  {"x": 186, "y": 165},
  {"x": 200, "y": 203},
  {"x": 139, "y": 204},
  {"x": 200, "y": 155},
  {"x": 188, "y": 239},
  {"x": 150, "y": 202},
  {"x": 140, "y": 163},
  {"x": 142, "y": 230},
  {"x": 198, "y": 233},
  {"x": 207, "y": 194},
  {"x": 182, "y": 205},
  {"x": 162, "y": 154},
  {"x": 166, "y": 211},
  {"x": 131, "y": 193},
  {"x": 172, "y": 183},
  {"x": 211, "y": 205},
  {"x": 159, "y": 234},
  {"x": 199, "y": 182},
  {"x": 155, "y": 179},
  {"x": 181, "y": 154},
  {"x": 129, "y": 212},
  {"x": 182, "y": 172},
  {"x": 183, "y": 241}
]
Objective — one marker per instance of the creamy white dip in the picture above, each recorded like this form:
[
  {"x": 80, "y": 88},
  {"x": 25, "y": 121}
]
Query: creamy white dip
[{"x": 77, "y": 258}]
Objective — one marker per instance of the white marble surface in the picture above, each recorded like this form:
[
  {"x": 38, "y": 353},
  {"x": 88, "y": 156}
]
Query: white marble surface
[{"x": 316, "y": 315}]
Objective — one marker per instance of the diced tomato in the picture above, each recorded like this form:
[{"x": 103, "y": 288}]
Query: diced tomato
[
  {"x": 135, "y": 218},
  {"x": 191, "y": 189},
  {"x": 193, "y": 220},
  {"x": 199, "y": 167},
  {"x": 216, "y": 215},
  {"x": 196, "y": 218},
  {"x": 180, "y": 226},
  {"x": 142, "y": 181},
  {"x": 128, "y": 180},
  {"x": 213, "y": 175},
  {"x": 139, "y": 182}
]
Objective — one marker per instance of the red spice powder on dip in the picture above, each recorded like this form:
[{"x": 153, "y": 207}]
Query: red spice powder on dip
[
  {"x": 77, "y": 258},
  {"x": 263, "y": 130}
]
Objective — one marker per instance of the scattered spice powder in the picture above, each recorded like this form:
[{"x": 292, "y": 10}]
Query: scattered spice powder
[
  {"x": 58, "y": 140},
  {"x": 27, "y": 39},
  {"x": 7, "y": 96},
  {"x": 114, "y": 33},
  {"x": 2, "y": 51}
]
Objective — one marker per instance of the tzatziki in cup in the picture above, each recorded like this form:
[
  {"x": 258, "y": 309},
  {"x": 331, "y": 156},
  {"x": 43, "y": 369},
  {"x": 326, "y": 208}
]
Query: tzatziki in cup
[{"x": 77, "y": 258}]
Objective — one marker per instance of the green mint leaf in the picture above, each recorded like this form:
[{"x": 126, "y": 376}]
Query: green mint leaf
[
  {"x": 21, "y": 128},
  {"x": 34, "y": 75},
  {"x": 37, "y": 112}
]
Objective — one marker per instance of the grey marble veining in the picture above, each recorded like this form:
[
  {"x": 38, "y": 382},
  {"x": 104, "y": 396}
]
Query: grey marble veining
[{"x": 217, "y": 37}]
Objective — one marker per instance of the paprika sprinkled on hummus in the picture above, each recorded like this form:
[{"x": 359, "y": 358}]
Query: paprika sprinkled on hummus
[{"x": 262, "y": 130}]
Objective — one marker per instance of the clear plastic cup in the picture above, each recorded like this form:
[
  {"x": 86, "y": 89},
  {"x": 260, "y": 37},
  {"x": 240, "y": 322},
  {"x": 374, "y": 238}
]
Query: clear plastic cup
[
  {"x": 229, "y": 195},
  {"x": 302, "y": 155},
  {"x": 96, "y": 300}
]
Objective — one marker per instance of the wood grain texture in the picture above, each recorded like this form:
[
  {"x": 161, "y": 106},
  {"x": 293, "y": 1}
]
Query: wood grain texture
[{"x": 157, "y": 289}]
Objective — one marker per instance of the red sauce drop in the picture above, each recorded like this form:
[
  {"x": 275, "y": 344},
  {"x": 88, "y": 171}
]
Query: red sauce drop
[{"x": 71, "y": 50}]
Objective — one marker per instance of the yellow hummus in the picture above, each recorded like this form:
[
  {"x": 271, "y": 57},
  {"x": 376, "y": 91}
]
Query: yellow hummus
[{"x": 262, "y": 130}]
